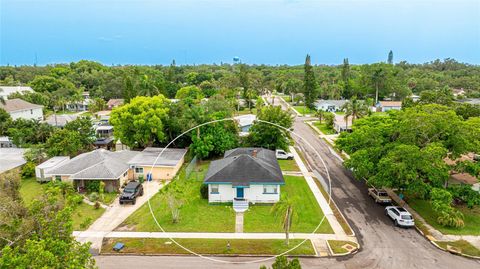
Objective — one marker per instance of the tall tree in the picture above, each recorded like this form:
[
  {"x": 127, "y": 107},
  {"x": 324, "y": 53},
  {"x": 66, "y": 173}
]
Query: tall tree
[
  {"x": 355, "y": 109},
  {"x": 390, "y": 57},
  {"x": 346, "y": 75},
  {"x": 268, "y": 136},
  {"x": 309, "y": 84}
]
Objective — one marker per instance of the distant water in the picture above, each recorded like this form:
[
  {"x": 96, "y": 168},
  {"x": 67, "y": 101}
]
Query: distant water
[{"x": 214, "y": 31}]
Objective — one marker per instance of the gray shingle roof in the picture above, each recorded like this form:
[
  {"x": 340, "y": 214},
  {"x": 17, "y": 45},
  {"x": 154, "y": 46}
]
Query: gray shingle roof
[
  {"x": 18, "y": 105},
  {"x": 241, "y": 168},
  {"x": 169, "y": 157},
  {"x": 97, "y": 164}
]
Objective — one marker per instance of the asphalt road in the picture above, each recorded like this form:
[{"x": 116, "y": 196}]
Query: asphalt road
[{"x": 382, "y": 244}]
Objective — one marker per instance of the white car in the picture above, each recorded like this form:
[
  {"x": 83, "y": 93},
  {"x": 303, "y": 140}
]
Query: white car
[
  {"x": 282, "y": 155},
  {"x": 400, "y": 216}
]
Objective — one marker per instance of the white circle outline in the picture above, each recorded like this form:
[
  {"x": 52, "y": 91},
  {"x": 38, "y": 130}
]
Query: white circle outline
[{"x": 252, "y": 261}]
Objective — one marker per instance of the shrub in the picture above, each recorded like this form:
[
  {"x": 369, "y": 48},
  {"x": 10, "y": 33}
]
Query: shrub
[
  {"x": 86, "y": 223},
  {"x": 466, "y": 194},
  {"x": 28, "y": 170},
  {"x": 447, "y": 215},
  {"x": 204, "y": 191},
  {"x": 93, "y": 197},
  {"x": 75, "y": 199},
  {"x": 96, "y": 205},
  {"x": 92, "y": 185}
]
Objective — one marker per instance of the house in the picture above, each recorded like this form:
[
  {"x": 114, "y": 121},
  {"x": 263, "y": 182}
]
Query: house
[
  {"x": 42, "y": 170},
  {"x": 463, "y": 178},
  {"x": 5, "y": 142},
  {"x": 329, "y": 105},
  {"x": 60, "y": 120},
  {"x": 11, "y": 158},
  {"x": 81, "y": 105},
  {"x": 415, "y": 97},
  {"x": 384, "y": 106},
  {"x": 116, "y": 168},
  {"x": 113, "y": 103},
  {"x": 471, "y": 101},
  {"x": 245, "y": 122},
  {"x": 245, "y": 175},
  {"x": 5, "y": 91},
  {"x": 342, "y": 125},
  {"x": 157, "y": 163},
  {"x": 20, "y": 109},
  {"x": 458, "y": 92}
]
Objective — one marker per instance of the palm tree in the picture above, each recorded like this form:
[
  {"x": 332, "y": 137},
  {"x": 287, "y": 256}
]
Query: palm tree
[
  {"x": 147, "y": 87},
  {"x": 354, "y": 108},
  {"x": 285, "y": 209},
  {"x": 320, "y": 114}
]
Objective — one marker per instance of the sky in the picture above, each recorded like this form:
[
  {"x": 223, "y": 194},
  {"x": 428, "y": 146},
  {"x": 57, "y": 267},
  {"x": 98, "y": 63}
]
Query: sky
[{"x": 258, "y": 32}]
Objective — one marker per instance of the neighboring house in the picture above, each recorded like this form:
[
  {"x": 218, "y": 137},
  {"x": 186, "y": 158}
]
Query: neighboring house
[
  {"x": 329, "y": 105},
  {"x": 157, "y": 163},
  {"x": 384, "y": 106},
  {"x": 472, "y": 101},
  {"x": 11, "y": 158},
  {"x": 5, "y": 142},
  {"x": 245, "y": 175},
  {"x": 42, "y": 170},
  {"x": 116, "y": 168},
  {"x": 415, "y": 97},
  {"x": 7, "y": 90},
  {"x": 342, "y": 125},
  {"x": 104, "y": 133},
  {"x": 458, "y": 92},
  {"x": 82, "y": 105},
  {"x": 462, "y": 177},
  {"x": 113, "y": 103},
  {"x": 60, "y": 120},
  {"x": 245, "y": 122},
  {"x": 20, "y": 109}
]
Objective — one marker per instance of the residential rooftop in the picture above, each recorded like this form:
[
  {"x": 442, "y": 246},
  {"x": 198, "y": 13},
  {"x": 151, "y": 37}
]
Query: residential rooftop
[{"x": 18, "y": 105}]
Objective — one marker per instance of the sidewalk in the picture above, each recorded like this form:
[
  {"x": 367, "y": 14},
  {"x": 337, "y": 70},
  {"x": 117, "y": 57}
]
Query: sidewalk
[
  {"x": 115, "y": 215},
  {"x": 210, "y": 235}
]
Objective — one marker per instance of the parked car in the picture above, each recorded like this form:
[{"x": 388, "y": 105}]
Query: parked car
[
  {"x": 133, "y": 190},
  {"x": 400, "y": 216},
  {"x": 379, "y": 195},
  {"x": 283, "y": 155}
]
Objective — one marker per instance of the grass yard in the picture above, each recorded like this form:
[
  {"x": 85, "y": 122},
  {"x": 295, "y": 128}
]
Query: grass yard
[
  {"x": 196, "y": 215},
  {"x": 337, "y": 246},
  {"x": 207, "y": 246},
  {"x": 462, "y": 245},
  {"x": 287, "y": 98},
  {"x": 30, "y": 189},
  {"x": 109, "y": 197},
  {"x": 471, "y": 218},
  {"x": 303, "y": 110},
  {"x": 288, "y": 165},
  {"x": 324, "y": 128},
  {"x": 246, "y": 111},
  {"x": 259, "y": 218},
  {"x": 84, "y": 215}
]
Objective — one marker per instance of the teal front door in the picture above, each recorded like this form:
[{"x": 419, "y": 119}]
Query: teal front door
[{"x": 240, "y": 193}]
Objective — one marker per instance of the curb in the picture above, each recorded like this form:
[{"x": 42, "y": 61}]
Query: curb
[
  {"x": 439, "y": 247},
  {"x": 343, "y": 254}
]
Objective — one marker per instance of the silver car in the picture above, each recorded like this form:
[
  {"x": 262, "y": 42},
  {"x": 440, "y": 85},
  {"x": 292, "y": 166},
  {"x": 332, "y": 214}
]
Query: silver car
[{"x": 400, "y": 216}]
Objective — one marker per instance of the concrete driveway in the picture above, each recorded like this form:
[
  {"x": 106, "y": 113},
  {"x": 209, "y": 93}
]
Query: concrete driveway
[{"x": 116, "y": 214}]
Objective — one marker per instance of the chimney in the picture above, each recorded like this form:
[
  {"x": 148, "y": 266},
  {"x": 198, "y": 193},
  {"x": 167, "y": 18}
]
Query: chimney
[{"x": 254, "y": 153}]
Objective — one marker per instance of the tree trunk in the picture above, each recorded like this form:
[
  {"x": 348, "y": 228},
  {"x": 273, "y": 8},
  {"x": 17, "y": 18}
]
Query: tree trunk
[{"x": 376, "y": 93}]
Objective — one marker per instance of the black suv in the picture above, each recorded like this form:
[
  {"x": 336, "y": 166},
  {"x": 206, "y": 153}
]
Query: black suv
[{"x": 131, "y": 192}]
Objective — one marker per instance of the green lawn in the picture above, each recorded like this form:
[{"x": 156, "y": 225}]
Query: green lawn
[
  {"x": 287, "y": 98},
  {"x": 471, "y": 218},
  {"x": 208, "y": 246},
  {"x": 30, "y": 189},
  {"x": 462, "y": 245},
  {"x": 324, "y": 128},
  {"x": 337, "y": 246},
  {"x": 246, "y": 111},
  {"x": 196, "y": 215},
  {"x": 82, "y": 216},
  {"x": 288, "y": 165},
  {"x": 259, "y": 218},
  {"x": 303, "y": 110}
]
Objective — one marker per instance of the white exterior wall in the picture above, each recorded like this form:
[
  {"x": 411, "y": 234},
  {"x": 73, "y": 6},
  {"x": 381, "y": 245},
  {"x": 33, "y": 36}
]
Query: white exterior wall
[
  {"x": 29, "y": 114},
  {"x": 387, "y": 108},
  {"x": 253, "y": 194}
]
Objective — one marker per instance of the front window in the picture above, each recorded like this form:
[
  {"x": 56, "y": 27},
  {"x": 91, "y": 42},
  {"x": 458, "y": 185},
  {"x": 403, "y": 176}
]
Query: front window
[
  {"x": 270, "y": 189},
  {"x": 139, "y": 170},
  {"x": 214, "y": 189}
]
